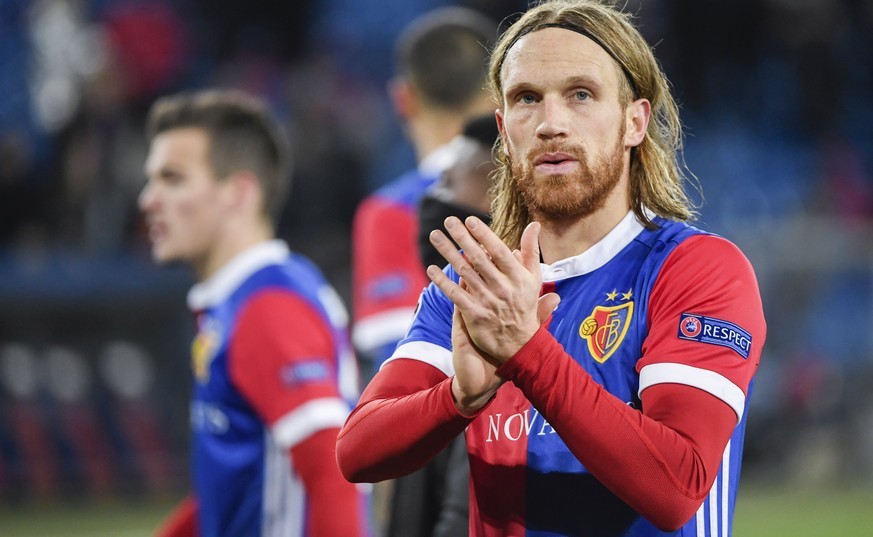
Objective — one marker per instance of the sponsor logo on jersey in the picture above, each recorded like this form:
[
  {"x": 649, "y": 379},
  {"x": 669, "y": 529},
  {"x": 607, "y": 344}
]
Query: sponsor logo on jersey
[
  {"x": 208, "y": 418},
  {"x": 204, "y": 347},
  {"x": 388, "y": 287},
  {"x": 514, "y": 427},
  {"x": 503, "y": 427},
  {"x": 305, "y": 371},
  {"x": 703, "y": 329},
  {"x": 605, "y": 328}
]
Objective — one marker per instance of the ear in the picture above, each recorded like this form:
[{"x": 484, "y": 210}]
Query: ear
[
  {"x": 403, "y": 97},
  {"x": 498, "y": 115},
  {"x": 636, "y": 118},
  {"x": 244, "y": 191}
]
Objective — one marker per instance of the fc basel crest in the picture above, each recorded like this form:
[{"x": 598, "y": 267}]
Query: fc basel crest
[
  {"x": 605, "y": 329},
  {"x": 203, "y": 349}
]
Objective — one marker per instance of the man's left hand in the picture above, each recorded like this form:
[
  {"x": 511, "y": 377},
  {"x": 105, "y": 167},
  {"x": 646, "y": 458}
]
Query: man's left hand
[{"x": 501, "y": 304}]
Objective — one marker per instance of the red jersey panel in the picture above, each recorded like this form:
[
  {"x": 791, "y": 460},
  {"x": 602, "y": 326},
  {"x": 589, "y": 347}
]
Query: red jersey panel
[
  {"x": 387, "y": 272},
  {"x": 629, "y": 407}
]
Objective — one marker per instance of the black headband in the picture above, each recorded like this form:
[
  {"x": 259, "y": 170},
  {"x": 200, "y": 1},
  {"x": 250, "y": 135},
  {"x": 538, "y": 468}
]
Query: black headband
[{"x": 582, "y": 31}]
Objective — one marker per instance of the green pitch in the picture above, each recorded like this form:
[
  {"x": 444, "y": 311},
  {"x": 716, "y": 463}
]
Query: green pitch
[
  {"x": 100, "y": 519},
  {"x": 803, "y": 512},
  {"x": 761, "y": 512}
]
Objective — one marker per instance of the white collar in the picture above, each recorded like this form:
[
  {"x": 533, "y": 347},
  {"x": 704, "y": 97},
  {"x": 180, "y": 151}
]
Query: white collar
[
  {"x": 439, "y": 160},
  {"x": 224, "y": 282},
  {"x": 596, "y": 256}
]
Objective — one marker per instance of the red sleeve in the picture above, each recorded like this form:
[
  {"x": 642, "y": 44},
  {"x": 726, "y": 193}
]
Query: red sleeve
[
  {"x": 706, "y": 282},
  {"x": 327, "y": 492},
  {"x": 182, "y": 522},
  {"x": 387, "y": 274},
  {"x": 661, "y": 461},
  {"x": 405, "y": 417},
  {"x": 282, "y": 360}
]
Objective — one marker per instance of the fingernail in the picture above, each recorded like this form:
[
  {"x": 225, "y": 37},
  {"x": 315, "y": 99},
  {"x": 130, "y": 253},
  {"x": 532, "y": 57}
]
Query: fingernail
[{"x": 472, "y": 222}]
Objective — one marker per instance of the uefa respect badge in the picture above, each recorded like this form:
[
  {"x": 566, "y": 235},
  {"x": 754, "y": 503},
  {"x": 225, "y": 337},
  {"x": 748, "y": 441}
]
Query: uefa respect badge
[{"x": 714, "y": 331}]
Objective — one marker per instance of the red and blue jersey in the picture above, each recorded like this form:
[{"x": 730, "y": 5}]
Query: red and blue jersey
[
  {"x": 388, "y": 274},
  {"x": 387, "y": 271},
  {"x": 641, "y": 308},
  {"x": 272, "y": 367}
]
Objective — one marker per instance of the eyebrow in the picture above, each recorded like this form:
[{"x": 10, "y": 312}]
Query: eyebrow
[
  {"x": 587, "y": 80},
  {"x": 583, "y": 31}
]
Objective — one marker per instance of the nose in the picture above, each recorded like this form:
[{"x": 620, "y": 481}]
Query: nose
[
  {"x": 147, "y": 196},
  {"x": 554, "y": 118}
]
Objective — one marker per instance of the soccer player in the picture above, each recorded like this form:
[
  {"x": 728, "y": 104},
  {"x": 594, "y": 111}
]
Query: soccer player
[
  {"x": 597, "y": 349},
  {"x": 462, "y": 189},
  {"x": 274, "y": 373},
  {"x": 441, "y": 61},
  {"x": 442, "y": 65},
  {"x": 440, "y": 500}
]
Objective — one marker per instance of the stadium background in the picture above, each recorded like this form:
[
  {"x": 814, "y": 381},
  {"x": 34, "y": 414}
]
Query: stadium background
[{"x": 777, "y": 98}]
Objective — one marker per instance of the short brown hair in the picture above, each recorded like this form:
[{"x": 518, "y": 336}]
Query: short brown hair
[
  {"x": 444, "y": 55},
  {"x": 242, "y": 134}
]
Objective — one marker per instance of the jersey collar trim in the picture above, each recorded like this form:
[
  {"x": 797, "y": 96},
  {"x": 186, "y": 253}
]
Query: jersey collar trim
[
  {"x": 217, "y": 288},
  {"x": 439, "y": 160},
  {"x": 598, "y": 255}
]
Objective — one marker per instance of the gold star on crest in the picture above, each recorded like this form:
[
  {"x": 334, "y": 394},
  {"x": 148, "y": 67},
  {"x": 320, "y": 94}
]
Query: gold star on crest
[
  {"x": 611, "y": 296},
  {"x": 628, "y": 295}
]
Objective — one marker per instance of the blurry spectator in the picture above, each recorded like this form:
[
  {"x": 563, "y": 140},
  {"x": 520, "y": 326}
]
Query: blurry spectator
[
  {"x": 20, "y": 198},
  {"x": 92, "y": 208},
  {"x": 150, "y": 42},
  {"x": 277, "y": 30},
  {"x": 846, "y": 191}
]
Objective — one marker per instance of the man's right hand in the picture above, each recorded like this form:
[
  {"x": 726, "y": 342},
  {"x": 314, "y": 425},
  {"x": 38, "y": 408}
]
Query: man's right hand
[{"x": 475, "y": 380}]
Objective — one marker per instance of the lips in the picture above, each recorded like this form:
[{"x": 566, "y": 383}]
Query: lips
[
  {"x": 555, "y": 163},
  {"x": 157, "y": 231},
  {"x": 552, "y": 158}
]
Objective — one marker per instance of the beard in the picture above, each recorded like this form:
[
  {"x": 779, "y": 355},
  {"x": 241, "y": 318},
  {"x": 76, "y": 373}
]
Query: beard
[{"x": 569, "y": 196}]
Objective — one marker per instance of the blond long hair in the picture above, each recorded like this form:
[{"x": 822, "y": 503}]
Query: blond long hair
[{"x": 656, "y": 179}]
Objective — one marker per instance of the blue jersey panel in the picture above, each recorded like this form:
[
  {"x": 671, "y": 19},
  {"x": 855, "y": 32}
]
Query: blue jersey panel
[
  {"x": 602, "y": 323},
  {"x": 407, "y": 189},
  {"x": 228, "y": 445}
]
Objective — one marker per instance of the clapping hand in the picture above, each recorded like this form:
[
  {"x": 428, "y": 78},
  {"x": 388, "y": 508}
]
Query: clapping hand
[{"x": 498, "y": 306}]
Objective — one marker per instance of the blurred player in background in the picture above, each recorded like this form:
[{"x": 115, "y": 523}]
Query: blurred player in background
[
  {"x": 274, "y": 372},
  {"x": 442, "y": 64},
  {"x": 462, "y": 190},
  {"x": 598, "y": 351}
]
